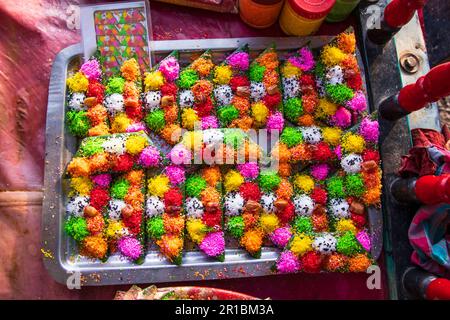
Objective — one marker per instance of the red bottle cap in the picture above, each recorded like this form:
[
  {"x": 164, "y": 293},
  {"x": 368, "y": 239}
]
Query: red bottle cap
[{"x": 312, "y": 9}]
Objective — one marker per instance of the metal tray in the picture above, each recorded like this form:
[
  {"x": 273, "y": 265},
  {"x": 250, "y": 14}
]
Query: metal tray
[{"x": 59, "y": 252}]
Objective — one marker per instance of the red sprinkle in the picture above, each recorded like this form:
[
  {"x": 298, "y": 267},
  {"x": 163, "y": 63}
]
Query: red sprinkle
[
  {"x": 99, "y": 198},
  {"x": 124, "y": 162},
  {"x": 250, "y": 191},
  {"x": 173, "y": 197}
]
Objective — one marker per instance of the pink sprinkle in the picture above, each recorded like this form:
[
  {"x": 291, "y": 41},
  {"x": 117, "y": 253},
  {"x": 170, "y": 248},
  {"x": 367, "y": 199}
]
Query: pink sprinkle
[
  {"x": 364, "y": 239},
  {"x": 176, "y": 174},
  {"x": 213, "y": 244},
  {"x": 91, "y": 69},
  {"x": 304, "y": 61},
  {"x": 342, "y": 118},
  {"x": 239, "y": 60},
  {"x": 170, "y": 68},
  {"x": 149, "y": 157},
  {"x": 275, "y": 121},
  {"x": 288, "y": 263},
  {"x": 209, "y": 122},
  {"x": 180, "y": 155},
  {"x": 102, "y": 180},
  {"x": 369, "y": 129},
  {"x": 338, "y": 152},
  {"x": 358, "y": 103},
  {"x": 136, "y": 127},
  {"x": 249, "y": 170},
  {"x": 281, "y": 236},
  {"x": 320, "y": 171},
  {"x": 130, "y": 247}
]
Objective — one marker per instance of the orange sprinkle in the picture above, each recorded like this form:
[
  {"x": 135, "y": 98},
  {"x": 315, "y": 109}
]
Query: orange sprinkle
[
  {"x": 284, "y": 169},
  {"x": 99, "y": 130},
  {"x": 202, "y": 66},
  {"x": 346, "y": 42},
  {"x": 252, "y": 240},
  {"x": 95, "y": 224},
  {"x": 79, "y": 167},
  {"x": 359, "y": 263},
  {"x": 270, "y": 78},
  {"x": 210, "y": 194},
  {"x": 212, "y": 175},
  {"x": 170, "y": 245},
  {"x": 301, "y": 152},
  {"x": 372, "y": 196},
  {"x": 170, "y": 113},
  {"x": 97, "y": 114},
  {"x": 130, "y": 89},
  {"x": 94, "y": 246},
  {"x": 285, "y": 190},
  {"x": 306, "y": 120},
  {"x": 100, "y": 162},
  {"x": 242, "y": 104},
  {"x": 281, "y": 152},
  {"x": 135, "y": 177},
  {"x": 171, "y": 133},
  {"x": 310, "y": 102},
  {"x": 269, "y": 60},
  {"x": 244, "y": 122},
  {"x": 173, "y": 224}
]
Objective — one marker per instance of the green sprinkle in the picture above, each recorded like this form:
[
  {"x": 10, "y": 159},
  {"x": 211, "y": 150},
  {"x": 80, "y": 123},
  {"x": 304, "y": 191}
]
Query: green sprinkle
[
  {"x": 155, "y": 227},
  {"x": 227, "y": 114},
  {"x": 319, "y": 69},
  {"x": 335, "y": 187},
  {"x": 187, "y": 78},
  {"x": 120, "y": 188},
  {"x": 256, "y": 72},
  {"x": 155, "y": 120},
  {"x": 234, "y": 138},
  {"x": 115, "y": 85},
  {"x": 78, "y": 123},
  {"x": 268, "y": 180},
  {"x": 339, "y": 93},
  {"x": 194, "y": 185},
  {"x": 235, "y": 226},
  {"x": 348, "y": 244},
  {"x": 76, "y": 227},
  {"x": 354, "y": 185},
  {"x": 291, "y": 136},
  {"x": 91, "y": 146},
  {"x": 303, "y": 224},
  {"x": 293, "y": 109}
]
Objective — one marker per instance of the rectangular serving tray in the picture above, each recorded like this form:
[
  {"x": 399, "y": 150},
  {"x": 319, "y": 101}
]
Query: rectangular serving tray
[{"x": 60, "y": 253}]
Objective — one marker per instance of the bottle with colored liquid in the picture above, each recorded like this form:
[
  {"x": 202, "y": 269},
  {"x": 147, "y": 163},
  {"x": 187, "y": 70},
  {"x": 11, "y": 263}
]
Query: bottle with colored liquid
[
  {"x": 303, "y": 17},
  {"x": 341, "y": 10},
  {"x": 260, "y": 13}
]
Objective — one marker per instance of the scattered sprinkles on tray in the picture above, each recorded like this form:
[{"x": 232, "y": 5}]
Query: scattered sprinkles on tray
[
  {"x": 160, "y": 98},
  {"x": 265, "y": 91},
  {"x": 195, "y": 94},
  {"x": 213, "y": 182},
  {"x": 86, "y": 114},
  {"x": 203, "y": 195},
  {"x": 232, "y": 90}
]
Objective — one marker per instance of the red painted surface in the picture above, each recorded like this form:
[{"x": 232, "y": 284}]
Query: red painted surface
[
  {"x": 428, "y": 88},
  {"x": 29, "y": 43},
  {"x": 433, "y": 189},
  {"x": 439, "y": 289},
  {"x": 398, "y": 12}
]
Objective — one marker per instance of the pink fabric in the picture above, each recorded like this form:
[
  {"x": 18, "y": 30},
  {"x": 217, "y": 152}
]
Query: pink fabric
[{"x": 29, "y": 43}]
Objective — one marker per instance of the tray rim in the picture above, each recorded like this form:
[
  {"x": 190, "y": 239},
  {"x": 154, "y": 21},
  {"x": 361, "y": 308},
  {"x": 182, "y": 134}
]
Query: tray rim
[{"x": 128, "y": 273}]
